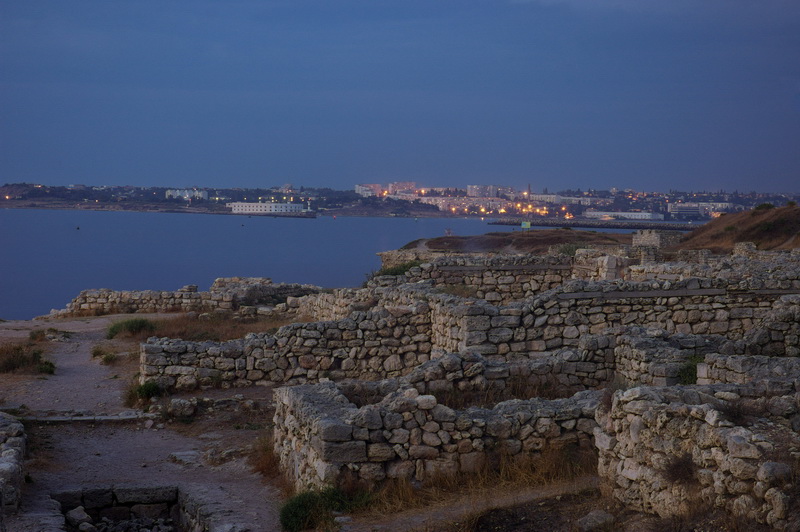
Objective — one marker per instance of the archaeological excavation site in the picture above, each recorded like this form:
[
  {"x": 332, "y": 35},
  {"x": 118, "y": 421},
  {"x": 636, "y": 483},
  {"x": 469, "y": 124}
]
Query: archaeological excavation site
[{"x": 671, "y": 377}]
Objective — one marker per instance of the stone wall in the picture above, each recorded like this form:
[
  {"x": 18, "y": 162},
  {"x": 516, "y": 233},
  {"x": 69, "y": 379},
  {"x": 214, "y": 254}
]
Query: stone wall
[
  {"x": 758, "y": 269},
  {"x": 597, "y": 265},
  {"x": 320, "y": 435},
  {"x": 380, "y": 343},
  {"x": 497, "y": 279},
  {"x": 656, "y": 238},
  {"x": 12, "y": 452},
  {"x": 654, "y": 357},
  {"x": 226, "y": 294},
  {"x": 737, "y": 369},
  {"x": 559, "y": 317},
  {"x": 410, "y": 324},
  {"x": 779, "y": 333},
  {"x": 674, "y": 450}
]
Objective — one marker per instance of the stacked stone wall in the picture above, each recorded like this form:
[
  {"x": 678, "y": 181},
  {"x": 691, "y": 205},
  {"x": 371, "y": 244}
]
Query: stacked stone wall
[
  {"x": 737, "y": 369},
  {"x": 655, "y": 238},
  {"x": 674, "y": 451},
  {"x": 558, "y": 318},
  {"x": 375, "y": 344},
  {"x": 654, "y": 357},
  {"x": 12, "y": 452},
  {"x": 320, "y": 435},
  {"x": 596, "y": 265},
  {"x": 411, "y": 324},
  {"x": 226, "y": 294}
]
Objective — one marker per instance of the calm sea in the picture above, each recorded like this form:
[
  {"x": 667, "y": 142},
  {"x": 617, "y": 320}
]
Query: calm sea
[{"x": 48, "y": 256}]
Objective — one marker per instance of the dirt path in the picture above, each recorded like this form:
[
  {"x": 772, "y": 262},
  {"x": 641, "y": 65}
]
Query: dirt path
[{"x": 79, "y": 383}]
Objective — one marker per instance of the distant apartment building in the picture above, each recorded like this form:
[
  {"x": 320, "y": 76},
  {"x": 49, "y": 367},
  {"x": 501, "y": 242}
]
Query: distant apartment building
[
  {"x": 367, "y": 190},
  {"x": 187, "y": 193},
  {"x": 624, "y": 215},
  {"x": 482, "y": 191},
  {"x": 242, "y": 207},
  {"x": 402, "y": 186}
]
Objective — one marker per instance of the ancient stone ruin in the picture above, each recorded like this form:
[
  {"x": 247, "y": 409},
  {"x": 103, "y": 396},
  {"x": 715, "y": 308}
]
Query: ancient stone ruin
[{"x": 681, "y": 377}]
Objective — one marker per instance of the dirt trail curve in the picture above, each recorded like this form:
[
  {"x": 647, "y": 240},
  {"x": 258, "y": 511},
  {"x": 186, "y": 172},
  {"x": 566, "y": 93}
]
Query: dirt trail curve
[{"x": 66, "y": 456}]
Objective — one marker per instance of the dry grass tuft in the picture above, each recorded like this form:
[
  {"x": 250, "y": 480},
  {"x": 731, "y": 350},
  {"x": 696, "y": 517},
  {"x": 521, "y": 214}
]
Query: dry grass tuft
[
  {"x": 266, "y": 462},
  {"x": 23, "y": 357}
]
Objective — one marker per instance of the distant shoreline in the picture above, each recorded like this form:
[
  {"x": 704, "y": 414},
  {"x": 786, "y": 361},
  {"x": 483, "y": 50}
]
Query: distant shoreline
[{"x": 350, "y": 213}]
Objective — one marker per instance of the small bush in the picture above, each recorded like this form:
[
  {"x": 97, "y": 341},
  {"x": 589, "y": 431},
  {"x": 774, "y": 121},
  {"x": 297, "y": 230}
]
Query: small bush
[
  {"x": 108, "y": 359},
  {"x": 130, "y": 327},
  {"x": 312, "y": 509},
  {"x": 149, "y": 390},
  {"x": 15, "y": 357},
  {"x": 301, "y": 512},
  {"x": 730, "y": 228},
  {"x": 37, "y": 336},
  {"x": 45, "y": 366},
  {"x": 98, "y": 351}
]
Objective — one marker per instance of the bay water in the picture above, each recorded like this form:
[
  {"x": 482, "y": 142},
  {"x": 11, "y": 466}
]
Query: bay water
[{"x": 48, "y": 256}]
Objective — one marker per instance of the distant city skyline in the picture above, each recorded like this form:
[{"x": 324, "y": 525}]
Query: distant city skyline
[{"x": 558, "y": 94}]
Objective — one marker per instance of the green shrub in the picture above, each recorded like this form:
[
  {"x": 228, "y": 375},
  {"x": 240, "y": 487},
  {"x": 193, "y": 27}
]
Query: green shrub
[
  {"x": 130, "y": 327},
  {"x": 148, "y": 390},
  {"x": 98, "y": 351},
  {"x": 301, "y": 512},
  {"x": 108, "y": 359},
  {"x": 37, "y": 336},
  {"x": 45, "y": 366},
  {"x": 312, "y": 509}
]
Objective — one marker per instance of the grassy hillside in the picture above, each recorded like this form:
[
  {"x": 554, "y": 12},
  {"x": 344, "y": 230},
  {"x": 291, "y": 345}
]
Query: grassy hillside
[
  {"x": 537, "y": 241},
  {"x": 767, "y": 227}
]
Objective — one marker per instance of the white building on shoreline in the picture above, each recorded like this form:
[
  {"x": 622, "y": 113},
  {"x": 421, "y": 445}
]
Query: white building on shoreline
[{"x": 242, "y": 207}]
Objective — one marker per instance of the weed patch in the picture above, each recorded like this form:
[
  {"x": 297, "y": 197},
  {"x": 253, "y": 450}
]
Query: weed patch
[
  {"x": 131, "y": 327},
  {"x": 24, "y": 357},
  {"x": 314, "y": 509}
]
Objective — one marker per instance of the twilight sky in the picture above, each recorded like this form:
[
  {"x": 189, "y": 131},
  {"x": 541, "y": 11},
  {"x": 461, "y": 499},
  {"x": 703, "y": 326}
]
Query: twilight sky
[{"x": 646, "y": 94}]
